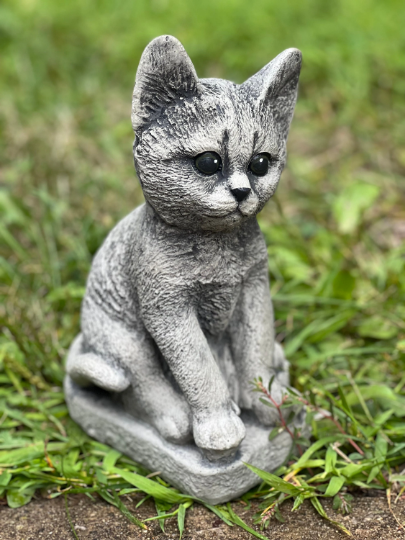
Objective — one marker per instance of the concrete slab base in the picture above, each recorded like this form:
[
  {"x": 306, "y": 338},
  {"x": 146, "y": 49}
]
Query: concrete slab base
[{"x": 185, "y": 467}]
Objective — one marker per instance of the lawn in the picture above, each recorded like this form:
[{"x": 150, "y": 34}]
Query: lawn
[{"x": 335, "y": 229}]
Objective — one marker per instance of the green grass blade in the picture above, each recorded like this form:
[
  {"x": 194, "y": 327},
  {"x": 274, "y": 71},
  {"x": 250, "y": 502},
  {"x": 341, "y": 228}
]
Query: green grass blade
[
  {"x": 72, "y": 527},
  {"x": 321, "y": 511},
  {"x": 239, "y": 521},
  {"x": 314, "y": 448},
  {"x": 121, "y": 506},
  {"x": 334, "y": 486},
  {"x": 180, "y": 519},
  {"x": 151, "y": 488},
  {"x": 274, "y": 481},
  {"x": 217, "y": 510}
]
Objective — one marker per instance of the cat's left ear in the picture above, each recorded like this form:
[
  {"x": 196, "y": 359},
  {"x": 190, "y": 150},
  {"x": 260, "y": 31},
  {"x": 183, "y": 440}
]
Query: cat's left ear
[
  {"x": 275, "y": 88},
  {"x": 165, "y": 74}
]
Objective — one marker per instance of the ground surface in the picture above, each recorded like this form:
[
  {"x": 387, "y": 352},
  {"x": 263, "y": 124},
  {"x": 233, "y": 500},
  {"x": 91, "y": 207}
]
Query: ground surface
[{"x": 370, "y": 519}]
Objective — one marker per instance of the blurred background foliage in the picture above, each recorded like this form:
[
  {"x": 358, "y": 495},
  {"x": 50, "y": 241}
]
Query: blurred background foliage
[{"x": 335, "y": 230}]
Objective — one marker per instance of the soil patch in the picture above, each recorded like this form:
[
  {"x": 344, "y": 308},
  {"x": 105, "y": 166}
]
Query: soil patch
[{"x": 370, "y": 520}]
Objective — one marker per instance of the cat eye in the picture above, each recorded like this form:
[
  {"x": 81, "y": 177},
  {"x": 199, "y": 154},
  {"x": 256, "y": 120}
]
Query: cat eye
[
  {"x": 208, "y": 163},
  {"x": 259, "y": 164}
]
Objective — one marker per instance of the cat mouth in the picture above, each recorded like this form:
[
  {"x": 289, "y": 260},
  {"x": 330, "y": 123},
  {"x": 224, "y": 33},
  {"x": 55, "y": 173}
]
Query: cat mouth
[
  {"x": 230, "y": 217},
  {"x": 224, "y": 215},
  {"x": 221, "y": 214},
  {"x": 235, "y": 210},
  {"x": 242, "y": 210}
]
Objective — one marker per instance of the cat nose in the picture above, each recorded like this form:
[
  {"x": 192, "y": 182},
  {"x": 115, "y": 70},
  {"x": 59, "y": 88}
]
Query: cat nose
[{"x": 240, "y": 193}]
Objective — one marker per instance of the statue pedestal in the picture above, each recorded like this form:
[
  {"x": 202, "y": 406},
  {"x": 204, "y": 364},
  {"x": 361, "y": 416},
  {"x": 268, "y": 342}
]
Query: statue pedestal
[{"x": 184, "y": 467}]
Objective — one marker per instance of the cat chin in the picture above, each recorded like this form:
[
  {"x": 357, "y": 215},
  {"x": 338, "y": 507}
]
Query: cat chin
[
  {"x": 225, "y": 223},
  {"x": 211, "y": 223}
]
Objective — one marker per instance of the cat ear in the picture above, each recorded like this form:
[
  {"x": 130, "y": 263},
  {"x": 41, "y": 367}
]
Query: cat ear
[
  {"x": 275, "y": 87},
  {"x": 165, "y": 74}
]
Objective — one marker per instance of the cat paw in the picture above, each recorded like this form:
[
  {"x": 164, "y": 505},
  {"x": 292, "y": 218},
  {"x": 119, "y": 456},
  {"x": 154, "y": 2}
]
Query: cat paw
[
  {"x": 218, "y": 434},
  {"x": 175, "y": 427},
  {"x": 164, "y": 409}
]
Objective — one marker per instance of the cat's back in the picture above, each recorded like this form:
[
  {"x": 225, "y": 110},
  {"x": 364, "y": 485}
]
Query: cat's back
[{"x": 109, "y": 284}]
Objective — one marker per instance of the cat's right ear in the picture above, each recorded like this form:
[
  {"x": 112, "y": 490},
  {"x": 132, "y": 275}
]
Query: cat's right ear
[{"x": 165, "y": 74}]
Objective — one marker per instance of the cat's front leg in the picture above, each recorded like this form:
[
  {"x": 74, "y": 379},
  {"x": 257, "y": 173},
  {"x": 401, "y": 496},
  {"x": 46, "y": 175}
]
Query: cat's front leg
[
  {"x": 254, "y": 350},
  {"x": 217, "y": 429}
]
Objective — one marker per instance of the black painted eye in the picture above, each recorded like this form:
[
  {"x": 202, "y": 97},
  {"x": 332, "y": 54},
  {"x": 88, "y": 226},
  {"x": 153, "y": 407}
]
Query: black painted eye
[
  {"x": 208, "y": 162},
  {"x": 259, "y": 164}
]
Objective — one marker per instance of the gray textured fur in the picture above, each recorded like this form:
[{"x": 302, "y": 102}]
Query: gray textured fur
[{"x": 177, "y": 317}]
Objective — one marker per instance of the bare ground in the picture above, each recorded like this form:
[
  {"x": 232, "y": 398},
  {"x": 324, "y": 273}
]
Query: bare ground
[{"x": 371, "y": 519}]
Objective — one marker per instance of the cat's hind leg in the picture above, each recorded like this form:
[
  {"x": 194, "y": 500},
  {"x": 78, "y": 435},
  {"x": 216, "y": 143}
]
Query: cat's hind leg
[{"x": 129, "y": 363}]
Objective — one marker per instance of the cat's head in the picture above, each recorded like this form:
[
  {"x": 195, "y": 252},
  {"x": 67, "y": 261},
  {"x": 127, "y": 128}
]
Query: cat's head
[{"x": 209, "y": 153}]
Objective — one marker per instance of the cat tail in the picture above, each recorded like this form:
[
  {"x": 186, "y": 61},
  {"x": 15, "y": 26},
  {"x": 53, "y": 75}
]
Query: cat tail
[{"x": 88, "y": 368}]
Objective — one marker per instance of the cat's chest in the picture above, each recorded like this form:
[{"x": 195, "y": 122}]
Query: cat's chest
[
  {"x": 212, "y": 272},
  {"x": 204, "y": 272},
  {"x": 215, "y": 304},
  {"x": 207, "y": 265}
]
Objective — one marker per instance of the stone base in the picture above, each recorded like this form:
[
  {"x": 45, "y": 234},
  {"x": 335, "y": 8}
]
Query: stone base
[{"x": 183, "y": 466}]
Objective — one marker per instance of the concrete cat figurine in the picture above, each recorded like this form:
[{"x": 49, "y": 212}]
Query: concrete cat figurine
[{"x": 177, "y": 318}]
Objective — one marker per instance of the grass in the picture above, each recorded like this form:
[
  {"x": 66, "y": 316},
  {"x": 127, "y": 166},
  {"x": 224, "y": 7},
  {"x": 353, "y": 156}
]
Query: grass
[{"x": 335, "y": 232}]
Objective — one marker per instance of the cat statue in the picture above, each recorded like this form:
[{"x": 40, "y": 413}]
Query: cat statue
[{"x": 177, "y": 318}]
